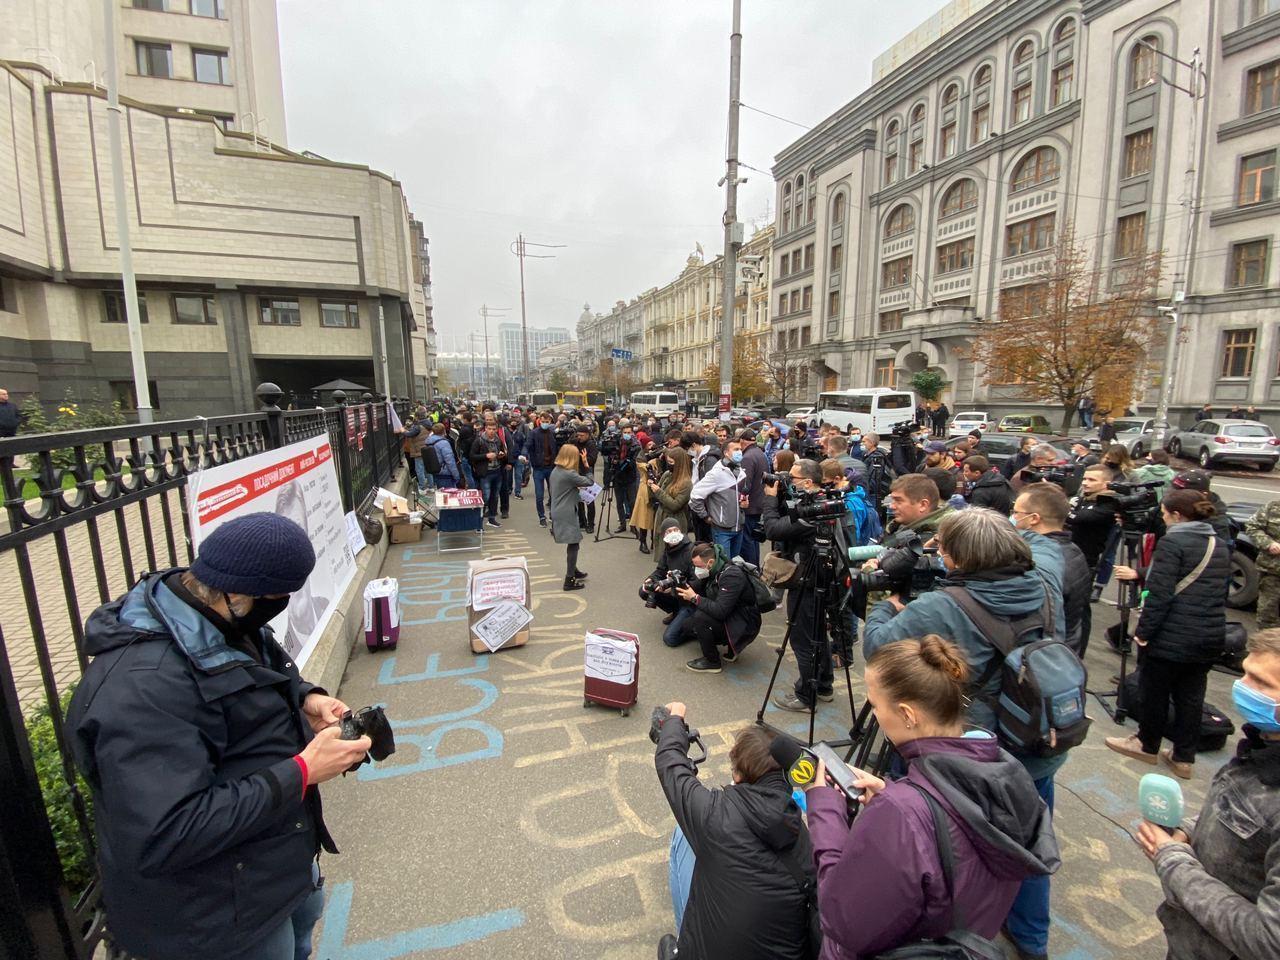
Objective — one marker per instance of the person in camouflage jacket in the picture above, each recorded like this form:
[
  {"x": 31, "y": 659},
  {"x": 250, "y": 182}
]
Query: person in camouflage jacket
[{"x": 1264, "y": 529}]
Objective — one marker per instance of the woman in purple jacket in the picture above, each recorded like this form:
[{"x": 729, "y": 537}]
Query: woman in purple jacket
[{"x": 880, "y": 881}]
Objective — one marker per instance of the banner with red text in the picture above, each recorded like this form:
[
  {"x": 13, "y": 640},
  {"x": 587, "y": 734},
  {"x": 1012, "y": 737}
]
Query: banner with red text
[{"x": 299, "y": 482}]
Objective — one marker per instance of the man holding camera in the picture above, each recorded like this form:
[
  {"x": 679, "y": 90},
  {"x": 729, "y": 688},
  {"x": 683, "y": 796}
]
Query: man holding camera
[
  {"x": 724, "y": 608},
  {"x": 1093, "y": 517},
  {"x": 716, "y": 500},
  {"x": 203, "y": 747},
  {"x": 988, "y": 487},
  {"x": 1043, "y": 458},
  {"x": 675, "y": 569}
]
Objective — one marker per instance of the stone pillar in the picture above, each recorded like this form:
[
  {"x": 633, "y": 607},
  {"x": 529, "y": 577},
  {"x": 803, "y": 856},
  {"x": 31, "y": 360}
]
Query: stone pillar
[
  {"x": 239, "y": 350},
  {"x": 393, "y": 342}
]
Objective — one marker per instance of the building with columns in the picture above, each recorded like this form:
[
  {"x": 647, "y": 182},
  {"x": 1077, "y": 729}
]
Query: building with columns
[
  {"x": 253, "y": 262},
  {"x": 909, "y": 215}
]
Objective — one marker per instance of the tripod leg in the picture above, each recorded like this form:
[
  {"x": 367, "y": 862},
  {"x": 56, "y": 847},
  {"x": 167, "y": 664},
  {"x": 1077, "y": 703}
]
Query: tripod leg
[
  {"x": 773, "y": 678},
  {"x": 821, "y": 649}
]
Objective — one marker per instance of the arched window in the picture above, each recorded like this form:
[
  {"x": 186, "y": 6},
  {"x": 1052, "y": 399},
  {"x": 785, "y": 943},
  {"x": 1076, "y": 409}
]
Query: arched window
[
  {"x": 799, "y": 201},
  {"x": 786, "y": 206},
  {"x": 891, "y": 131},
  {"x": 891, "y": 152},
  {"x": 950, "y": 95},
  {"x": 1037, "y": 167},
  {"x": 983, "y": 77},
  {"x": 1064, "y": 59},
  {"x": 1143, "y": 69},
  {"x": 837, "y": 208},
  {"x": 1066, "y": 30},
  {"x": 949, "y": 139},
  {"x": 960, "y": 196},
  {"x": 902, "y": 220},
  {"x": 980, "y": 127},
  {"x": 1025, "y": 51},
  {"x": 917, "y": 114},
  {"x": 1020, "y": 110}
]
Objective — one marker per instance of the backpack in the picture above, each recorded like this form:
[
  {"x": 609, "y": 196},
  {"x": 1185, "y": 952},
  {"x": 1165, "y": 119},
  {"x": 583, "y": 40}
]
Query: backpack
[
  {"x": 1215, "y": 727},
  {"x": 1040, "y": 707},
  {"x": 765, "y": 602},
  {"x": 430, "y": 458},
  {"x": 866, "y": 522}
]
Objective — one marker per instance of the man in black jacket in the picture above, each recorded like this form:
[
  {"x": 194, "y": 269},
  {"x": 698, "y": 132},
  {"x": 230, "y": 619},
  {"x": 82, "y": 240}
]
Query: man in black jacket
[
  {"x": 488, "y": 458},
  {"x": 11, "y": 417},
  {"x": 754, "y": 467},
  {"x": 203, "y": 747},
  {"x": 988, "y": 487},
  {"x": 466, "y": 440},
  {"x": 582, "y": 440},
  {"x": 744, "y": 901},
  {"x": 1093, "y": 515},
  {"x": 1042, "y": 508},
  {"x": 675, "y": 553},
  {"x": 622, "y": 465},
  {"x": 540, "y": 450},
  {"x": 724, "y": 608}
]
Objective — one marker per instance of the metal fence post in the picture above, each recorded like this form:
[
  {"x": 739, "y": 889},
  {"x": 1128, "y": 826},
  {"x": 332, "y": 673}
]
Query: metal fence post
[
  {"x": 344, "y": 453},
  {"x": 270, "y": 396}
]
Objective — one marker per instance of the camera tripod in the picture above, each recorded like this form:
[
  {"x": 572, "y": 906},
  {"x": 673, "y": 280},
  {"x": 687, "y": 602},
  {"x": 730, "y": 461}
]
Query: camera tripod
[
  {"x": 1116, "y": 703},
  {"x": 604, "y": 505}
]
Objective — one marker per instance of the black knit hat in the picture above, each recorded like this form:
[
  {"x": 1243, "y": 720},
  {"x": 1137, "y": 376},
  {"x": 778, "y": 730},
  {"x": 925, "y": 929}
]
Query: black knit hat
[{"x": 257, "y": 555}]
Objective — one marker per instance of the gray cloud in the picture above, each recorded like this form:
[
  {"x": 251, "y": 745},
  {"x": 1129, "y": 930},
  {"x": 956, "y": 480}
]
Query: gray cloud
[{"x": 600, "y": 125}]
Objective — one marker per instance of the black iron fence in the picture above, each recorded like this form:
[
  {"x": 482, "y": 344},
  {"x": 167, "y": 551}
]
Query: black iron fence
[{"x": 88, "y": 513}]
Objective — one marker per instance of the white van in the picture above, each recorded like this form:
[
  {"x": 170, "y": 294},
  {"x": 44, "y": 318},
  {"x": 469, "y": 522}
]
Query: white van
[
  {"x": 660, "y": 403},
  {"x": 873, "y": 410}
]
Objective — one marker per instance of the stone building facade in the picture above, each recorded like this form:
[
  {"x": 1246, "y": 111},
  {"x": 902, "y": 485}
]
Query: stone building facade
[{"x": 921, "y": 204}]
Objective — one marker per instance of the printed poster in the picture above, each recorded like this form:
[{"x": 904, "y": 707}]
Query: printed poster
[
  {"x": 299, "y": 482},
  {"x": 610, "y": 658}
]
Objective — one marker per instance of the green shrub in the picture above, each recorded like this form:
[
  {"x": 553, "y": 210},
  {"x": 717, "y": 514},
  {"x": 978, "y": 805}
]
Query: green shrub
[
  {"x": 78, "y": 865},
  {"x": 72, "y": 415}
]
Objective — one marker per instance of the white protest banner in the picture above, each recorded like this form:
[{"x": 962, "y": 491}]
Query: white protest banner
[
  {"x": 610, "y": 657},
  {"x": 298, "y": 482}
]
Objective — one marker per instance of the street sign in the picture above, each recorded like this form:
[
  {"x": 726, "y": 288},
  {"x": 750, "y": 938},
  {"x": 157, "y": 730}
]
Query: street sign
[{"x": 618, "y": 354}]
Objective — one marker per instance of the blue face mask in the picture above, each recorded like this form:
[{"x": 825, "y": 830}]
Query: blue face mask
[
  {"x": 546, "y": 426},
  {"x": 1256, "y": 708},
  {"x": 736, "y": 456}
]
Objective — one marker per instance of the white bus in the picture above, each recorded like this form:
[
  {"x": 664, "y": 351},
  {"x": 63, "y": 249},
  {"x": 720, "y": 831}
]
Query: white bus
[
  {"x": 660, "y": 403},
  {"x": 873, "y": 410},
  {"x": 540, "y": 399}
]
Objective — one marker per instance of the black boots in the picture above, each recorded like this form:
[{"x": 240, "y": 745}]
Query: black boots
[{"x": 572, "y": 584}]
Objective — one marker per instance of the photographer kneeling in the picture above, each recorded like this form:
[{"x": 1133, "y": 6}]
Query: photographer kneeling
[
  {"x": 880, "y": 881},
  {"x": 674, "y": 570},
  {"x": 724, "y": 608},
  {"x": 743, "y": 902}
]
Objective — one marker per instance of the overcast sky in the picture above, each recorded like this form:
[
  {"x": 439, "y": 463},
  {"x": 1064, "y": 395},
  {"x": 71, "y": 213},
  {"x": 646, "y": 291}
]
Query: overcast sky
[{"x": 599, "y": 124}]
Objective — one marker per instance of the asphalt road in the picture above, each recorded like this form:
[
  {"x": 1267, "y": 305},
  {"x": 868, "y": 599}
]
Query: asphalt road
[{"x": 512, "y": 822}]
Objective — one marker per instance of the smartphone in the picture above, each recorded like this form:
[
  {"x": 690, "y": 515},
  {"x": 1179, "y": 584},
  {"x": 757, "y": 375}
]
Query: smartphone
[{"x": 840, "y": 772}]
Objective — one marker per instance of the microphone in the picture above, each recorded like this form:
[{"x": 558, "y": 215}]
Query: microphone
[
  {"x": 801, "y": 765},
  {"x": 1160, "y": 800}
]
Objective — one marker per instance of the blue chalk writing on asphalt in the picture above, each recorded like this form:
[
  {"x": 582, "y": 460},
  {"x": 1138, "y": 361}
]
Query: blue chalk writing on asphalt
[
  {"x": 433, "y": 672},
  {"x": 333, "y": 945}
]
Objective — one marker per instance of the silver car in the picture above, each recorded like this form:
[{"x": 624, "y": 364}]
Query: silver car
[
  {"x": 1215, "y": 442},
  {"x": 1135, "y": 434}
]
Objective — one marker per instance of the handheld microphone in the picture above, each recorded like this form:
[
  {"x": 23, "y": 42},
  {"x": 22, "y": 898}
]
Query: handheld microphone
[
  {"x": 801, "y": 765},
  {"x": 1160, "y": 800}
]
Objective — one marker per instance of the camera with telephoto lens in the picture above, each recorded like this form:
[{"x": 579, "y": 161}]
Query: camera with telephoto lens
[
  {"x": 1055, "y": 474},
  {"x": 563, "y": 435},
  {"x": 904, "y": 567},
  {"x": 369, "y": 722},
  {"x": 1137, "y": 503},
  {"x": 782, "y": 478},
  {"x": 904, "y": 430},
  {"x": 610, "y": 442},
  {"x": 659, "y": 717},
  {"x": 819, "y": 505},
  {"x": 671, "y": 582}
]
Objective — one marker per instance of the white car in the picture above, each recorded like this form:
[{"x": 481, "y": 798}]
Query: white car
[
  {"x": 800, "y": 413},
  {"x": 962, "y": 423}
]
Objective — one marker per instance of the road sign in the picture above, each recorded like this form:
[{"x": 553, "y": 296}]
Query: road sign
[{"x": 620, "y": 354}]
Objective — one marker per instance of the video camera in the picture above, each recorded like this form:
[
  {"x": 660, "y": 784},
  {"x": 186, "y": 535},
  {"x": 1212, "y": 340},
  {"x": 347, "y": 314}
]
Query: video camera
[
  {"x": 672, "y": 581},
  {"x": 824, "y": 506},
  {"x": 904, "y": 568},
  {"x": 368, "y": 722},
  {"x": 1137, "y": 502},
  {"x": 660, "y": 715},
  {"x": 1055, "y": 474},
  {"x": 610, "y": 442}
]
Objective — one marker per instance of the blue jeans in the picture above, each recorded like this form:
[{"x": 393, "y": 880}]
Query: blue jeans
[
  {"x": 730, "y": 540},
  {"x": 680, "y": 874},
  {"x": 491, "y": 487},
  {"x": 520, "y": 467},
  {"x": 541, "y": 480},
  {"x": 291, "y": 940},
  {"x": 468, "y": 473},
  {"x": 1028, "y": 920},
  {"x": 749, "y": 547},
  {"x": 421, "y": 470},
  {"x": 673, "y": 635},
  {"x": 1107, "y": 561}
]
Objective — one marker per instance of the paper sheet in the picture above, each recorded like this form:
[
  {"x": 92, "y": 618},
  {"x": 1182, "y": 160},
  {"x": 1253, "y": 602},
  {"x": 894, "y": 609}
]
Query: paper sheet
[
  {"x": 610, "y": 659},
  {"x": 502, "y": 623}
]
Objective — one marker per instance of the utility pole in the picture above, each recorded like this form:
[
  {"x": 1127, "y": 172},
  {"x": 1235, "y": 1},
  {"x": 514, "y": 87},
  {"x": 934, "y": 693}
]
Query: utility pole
[
  {"x": 485, "y": 310},
  {"x": 141, "y": 389},
  {"x": 732, "y": 228},
  {"x": 520, "y": 247}
]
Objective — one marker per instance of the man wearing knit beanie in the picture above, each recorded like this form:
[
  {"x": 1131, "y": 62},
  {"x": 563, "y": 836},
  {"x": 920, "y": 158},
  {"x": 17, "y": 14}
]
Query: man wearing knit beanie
[{"x": 203, "y": 746}]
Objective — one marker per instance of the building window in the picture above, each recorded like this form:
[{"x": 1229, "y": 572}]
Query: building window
[
  {"x": 211, "y": 66},
  {"x": 784, "y": 265},
  {"x": 1257, "y": 9},
  {"x": 113, "y": 308},
  {"x": 836, "y": 257},
  {"x": 948, "y": 141},
  {"x": 1017, "y": 303},
  {"x": 891, "y": 320},
  {"x": 786, "y": 207},
  {"x": 1262, "y": 88},
  {"x": 980, "y": 128},
  {"x": 1131, "y": 236},
  {"x": 1237, "y": 353},
  {"x": 1257, "y": 181},
  {"x": 951, "y": 95},
  {"x": 809, "y": 204},
  {"x": 782, "y": 304},
  {"x": 193, "y": 310},
  {"x": 884, "y": 372},
  {"x": 901, "y": 221},
  {"x": 124, "y": 393},
  {"x": 339, "y": 315},
  {"x": 808, "y": 256},
  {"x": 795, "y": 301},
  {"x": 1143, "y": 69},
  {"x": 1137, "y": 154},
  {"x": 837, "y": 208},
  {"x": 799, "y": 200},
  {"x": 1248, "y": 264},
  {"x": 981, "y": 123},
  {"x": 154, "y": 59},
  {"x": 891, "y": 168},
  {"x": 806, "y": 299},
  {"x": 915, "y": 156},
  {"x": 953, "y": 257},
  {"x": 1060, "y": 92},
  {"x": 226, "y": 121},
  {"x": 793, "y": 338},
  {"x": 833, "y": 303},
  {"x": 1037, "y": 167},
  {"x": 804, "y": 336},
  {"x": 782, "y": 340},
  {"x": 209, "y": 8},
  {"x": 1030, "y": 235},
  {"x": 891, "y": 152},
  {"x": 279, "y": 313},
  {"x": 895, "y": 273},
  {"x": 1022, "y": 102},
  {"x": 960, "y": 196},
  {"x": 157, "y": 5}
]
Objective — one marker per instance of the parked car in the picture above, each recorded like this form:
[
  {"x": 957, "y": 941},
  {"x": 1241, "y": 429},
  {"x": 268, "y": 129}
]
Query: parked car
[
  {"x": 1215, "y": 442},
  {"x": 760, "y": 426},
  {"x": 801, "y": 413},
  {"x": 1242, "y": 592},
  {"x": 962, "y": 423},
  {"x": 999, "y": 447},
  {"x": 1024, "y": 423},
  {"x": 1137, "y": 435}
]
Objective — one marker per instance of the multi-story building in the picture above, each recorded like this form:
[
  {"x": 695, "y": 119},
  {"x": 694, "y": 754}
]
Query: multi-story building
[
  {"x": 467, "y": 373},
  {"x": 423, "y": 337},
  {"x": 559, "y": 357},
  {"x": 511, "y": 347},
  {"x": 622, "y": 328},
  {"x": 906, "y": 217},
  {"x": 253, "y": 262}
]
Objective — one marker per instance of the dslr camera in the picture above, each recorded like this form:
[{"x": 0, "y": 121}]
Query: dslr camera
[
  {"x": 905, "y": 567},
  {"x": 670, "y": 583},
  {"x": 1055, "y": 474},
  {"x": 368, "y": 722}
]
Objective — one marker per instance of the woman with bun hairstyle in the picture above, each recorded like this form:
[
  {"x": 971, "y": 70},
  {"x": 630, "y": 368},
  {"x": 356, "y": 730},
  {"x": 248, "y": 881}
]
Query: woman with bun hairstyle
[
  {"x": 1181, "y": 631},
  {"x": 880, "y": 881}
]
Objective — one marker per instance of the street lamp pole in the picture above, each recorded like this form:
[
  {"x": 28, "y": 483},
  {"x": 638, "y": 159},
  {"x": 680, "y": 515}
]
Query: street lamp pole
[
  {"x": 520, "y": 247},
  {"x": 732, "y": 228}
]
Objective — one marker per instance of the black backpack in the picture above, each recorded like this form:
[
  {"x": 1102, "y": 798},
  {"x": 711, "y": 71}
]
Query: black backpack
[
  {"x": 430, "y": 458},
  {"x": 765, "y": 601},
  {"x": 1041, "y": 704}
]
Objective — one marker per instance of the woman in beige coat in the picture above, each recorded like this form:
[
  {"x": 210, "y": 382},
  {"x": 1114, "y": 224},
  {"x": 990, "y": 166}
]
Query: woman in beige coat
[{"x": 642, "y": 512}]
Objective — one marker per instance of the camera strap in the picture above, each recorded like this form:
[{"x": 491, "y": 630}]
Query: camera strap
[{"x": 1194, "y": 575}]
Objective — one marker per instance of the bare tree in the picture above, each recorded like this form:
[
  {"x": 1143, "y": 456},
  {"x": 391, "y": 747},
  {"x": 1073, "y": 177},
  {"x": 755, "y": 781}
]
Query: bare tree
[
  {"x": 782, "y": 374},
  {"x": 749, "y": 375}
]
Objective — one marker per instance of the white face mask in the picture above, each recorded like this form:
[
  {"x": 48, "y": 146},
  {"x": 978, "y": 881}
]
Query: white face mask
[
  {"x": 702, "y": 572},
  {"x": 673, "y": 538}
]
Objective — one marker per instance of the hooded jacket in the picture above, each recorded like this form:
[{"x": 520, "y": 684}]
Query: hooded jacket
[
  {"x": 1156, "y": 471},
  {"x": 1188, "y": 627},
  {"x": 743, "y": 903},
  {"x": 926, "y": 526},
  {"x": 728, "y": 598},
  {"x": 992, "y": 490},
  {"x": 880, "y": 882},
  {"x": 679, "y": 557},
  {"x": 205, "y": 838},
  {"x": 444, "y": 451},
  {"x": 1007, "y": 594},
  {"x": 715, "y": 497}
]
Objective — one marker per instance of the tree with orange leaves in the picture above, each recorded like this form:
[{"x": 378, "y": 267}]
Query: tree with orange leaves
[{"x": 1076, "y": 330}]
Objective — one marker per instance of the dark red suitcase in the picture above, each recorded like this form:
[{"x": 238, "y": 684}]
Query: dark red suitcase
[{"x": 622, "y": 693}]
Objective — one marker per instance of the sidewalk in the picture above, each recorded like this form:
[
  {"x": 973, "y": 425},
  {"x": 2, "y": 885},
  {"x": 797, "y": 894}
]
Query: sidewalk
[{"x": 512, "y": 822}]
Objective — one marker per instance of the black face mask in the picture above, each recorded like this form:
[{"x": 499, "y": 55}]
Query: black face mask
[{"x": 263, "y": 611}]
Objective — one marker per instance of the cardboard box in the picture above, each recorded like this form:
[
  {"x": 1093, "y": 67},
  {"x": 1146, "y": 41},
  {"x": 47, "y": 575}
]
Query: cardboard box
[
  {"x": 489, "y": 582},
  {"x": 408, "y": 530}
]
